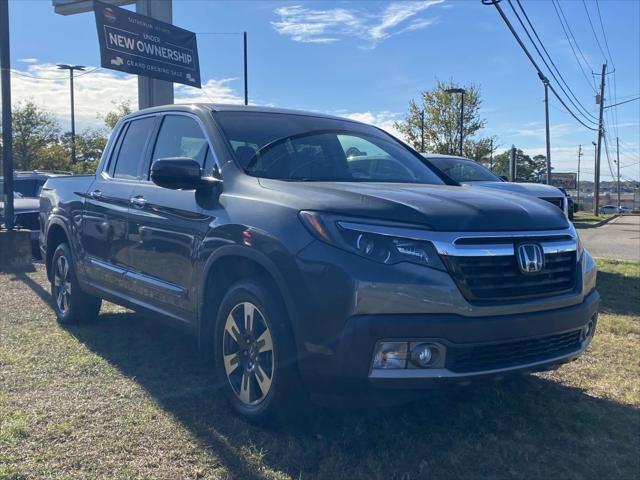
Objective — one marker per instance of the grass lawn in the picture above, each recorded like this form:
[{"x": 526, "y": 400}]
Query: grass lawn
[
  {"x": 586, "y": 217},
  {"x": 125, "y": 397}
]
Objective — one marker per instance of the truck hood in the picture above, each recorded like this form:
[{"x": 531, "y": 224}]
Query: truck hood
[
  {"x": 440, "y": 207},
  {"x": 535, "y": 189}
]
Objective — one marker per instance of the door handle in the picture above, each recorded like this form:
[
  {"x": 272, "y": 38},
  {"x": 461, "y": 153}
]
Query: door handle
[
  {"x": 138, "y": 201},
  {"x": 96, "y": 194}
]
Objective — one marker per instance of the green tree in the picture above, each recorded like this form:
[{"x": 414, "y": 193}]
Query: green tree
[
  {"x": 121, "y": 108},
  {"x": 54, "y": 157},
  {"x": 442, "y": 121},
  {"x": 90, "y": 144},
  {"x": 527, "y": 169},
  {"x": 34, "y": 129}
]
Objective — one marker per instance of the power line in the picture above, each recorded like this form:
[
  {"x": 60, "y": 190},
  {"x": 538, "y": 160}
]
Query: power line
[
  {"x": 526, "y": 51},
  {"x": 593, "y": 29},
  {"x": 606, "y": 150},
  {"x": 35, "y": 77},
  {"x": 615, "y": 83},
  {"x": 604, "y": 35},
  {"x": 630, "y": 165},
  {"x": 561, "y": 16},
  {"x": 622, "y": 103},
  {"x": 548, "y": 56}
]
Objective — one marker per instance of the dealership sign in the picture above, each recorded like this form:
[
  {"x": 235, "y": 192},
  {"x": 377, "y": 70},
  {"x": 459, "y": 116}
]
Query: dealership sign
[
  {"x": 134, "y": 43},
  {"x": 567, "y": 180}
]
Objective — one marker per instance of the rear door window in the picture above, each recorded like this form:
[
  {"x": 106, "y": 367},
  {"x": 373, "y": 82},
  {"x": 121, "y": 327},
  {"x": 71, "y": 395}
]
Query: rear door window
[{"x": 131, "y": 154}]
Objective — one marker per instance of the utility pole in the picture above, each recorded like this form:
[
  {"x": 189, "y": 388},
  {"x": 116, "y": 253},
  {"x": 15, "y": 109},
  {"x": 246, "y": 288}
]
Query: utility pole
[
  {"x": 596, "y": 182},
  {"x": 422, "y": 131},
  {"x": 246, "y": 76},
  {"x": 618, "y": 162},
  {"x": 71, "y": 68},
  {"x": 545, "y": 81},
  {"x": 578, "y": 181},
  {"x": 5, "y": 82}
]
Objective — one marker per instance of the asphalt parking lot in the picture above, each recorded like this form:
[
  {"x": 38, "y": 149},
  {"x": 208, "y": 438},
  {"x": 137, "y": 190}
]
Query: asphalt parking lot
[{"x": 619, "y": 239}]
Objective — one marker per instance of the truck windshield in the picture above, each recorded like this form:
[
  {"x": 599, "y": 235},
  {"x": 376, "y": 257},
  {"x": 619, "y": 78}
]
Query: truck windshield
[{"x": 306, "y": 148}]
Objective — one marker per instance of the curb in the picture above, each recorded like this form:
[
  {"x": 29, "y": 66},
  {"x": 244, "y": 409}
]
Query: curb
[{"x": 596, "y": 225}]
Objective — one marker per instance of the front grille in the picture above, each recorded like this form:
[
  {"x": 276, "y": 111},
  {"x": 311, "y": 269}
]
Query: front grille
[
  {"x": 28, "y": 221},
  {"x": 558, "y": 202},
  {"x": 492, "y": 279},
  {"x": 465, "y": 359}
]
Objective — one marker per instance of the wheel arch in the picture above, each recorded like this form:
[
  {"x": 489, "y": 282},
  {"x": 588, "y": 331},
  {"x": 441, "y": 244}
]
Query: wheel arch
[
  {"x": 228, "y": 265},
  {"x": 56, "y": 234}
]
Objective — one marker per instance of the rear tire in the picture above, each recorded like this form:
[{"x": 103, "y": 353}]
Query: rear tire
[
  {"x": 70, "y": 303},
  {"x": 255, "y": 355}
]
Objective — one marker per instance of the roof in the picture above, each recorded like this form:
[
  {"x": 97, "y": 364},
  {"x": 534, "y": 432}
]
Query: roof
[
  {"x": 440, "y": 155},
  {"x": 219, "y": 107}
]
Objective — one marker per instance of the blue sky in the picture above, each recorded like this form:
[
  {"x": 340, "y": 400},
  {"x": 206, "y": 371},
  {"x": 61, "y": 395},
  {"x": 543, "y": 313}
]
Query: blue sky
[{"x": 365, "y": 60}]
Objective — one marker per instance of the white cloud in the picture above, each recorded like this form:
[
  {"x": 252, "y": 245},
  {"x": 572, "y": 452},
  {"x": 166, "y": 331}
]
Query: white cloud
[
  {"x": 28, "y": 60},
  {"x": 309, "y": 25},
  {"x": 96, "y": 91},
  {"x": 384, "y": 120}
]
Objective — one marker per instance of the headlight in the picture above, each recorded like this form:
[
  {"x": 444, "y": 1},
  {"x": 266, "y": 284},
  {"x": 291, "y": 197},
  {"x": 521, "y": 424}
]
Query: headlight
[{"x": 371, "y": 241}]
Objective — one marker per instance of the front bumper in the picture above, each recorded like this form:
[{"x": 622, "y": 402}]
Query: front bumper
[{"x": 350, "y": 365}]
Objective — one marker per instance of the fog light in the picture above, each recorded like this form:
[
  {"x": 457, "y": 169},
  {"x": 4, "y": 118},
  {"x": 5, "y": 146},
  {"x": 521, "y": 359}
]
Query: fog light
[
  {"x": 390, "y": 355},
  {"x": 587, "y": 331},
  {"x": 424, "y": 355}
]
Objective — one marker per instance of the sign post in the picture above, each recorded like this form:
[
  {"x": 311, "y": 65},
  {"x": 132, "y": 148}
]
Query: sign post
[
  {"x": 5, "y": 80},
  {"x": 152, "y": 92}
]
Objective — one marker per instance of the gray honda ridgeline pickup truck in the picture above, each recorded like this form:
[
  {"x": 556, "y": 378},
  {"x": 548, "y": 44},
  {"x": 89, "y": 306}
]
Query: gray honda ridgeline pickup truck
[{"x": 295, "y": 263}]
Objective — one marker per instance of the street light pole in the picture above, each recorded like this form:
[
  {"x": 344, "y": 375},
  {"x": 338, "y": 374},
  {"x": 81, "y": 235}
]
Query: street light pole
[
  {"x": 422, "y": 131},
  {"x": 595, "y": 162},
  {"x": 461, "y": 91},
  {"x": 618, "y": 162},
  {"x": 246, "y": 74},
  {"x": 71, "y": 68},
  {"x": 461, "y": 121},
  {"x": 578, "y": 180},
  {"x": 491, "y": 156}
]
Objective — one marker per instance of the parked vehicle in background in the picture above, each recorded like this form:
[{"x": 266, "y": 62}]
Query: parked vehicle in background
[
  {"x": 468, "y": 172},
  {"x": 613, "y": 209},
  {"x": 313, "y": 253},
  {"x": 570, "y": 204},
  {"x": 26, "y": 202}
]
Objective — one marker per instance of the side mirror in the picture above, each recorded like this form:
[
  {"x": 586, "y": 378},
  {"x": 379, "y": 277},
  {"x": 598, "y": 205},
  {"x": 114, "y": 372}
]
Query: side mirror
[
  {"x": 504, "y": 177},
  {"x": 180, "y": 173}
]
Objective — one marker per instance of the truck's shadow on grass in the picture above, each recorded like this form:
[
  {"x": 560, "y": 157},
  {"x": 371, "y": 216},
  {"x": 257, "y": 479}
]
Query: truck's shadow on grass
[
  {"x": 620, "y": 294},
  {"x": 522, "y": 429}
]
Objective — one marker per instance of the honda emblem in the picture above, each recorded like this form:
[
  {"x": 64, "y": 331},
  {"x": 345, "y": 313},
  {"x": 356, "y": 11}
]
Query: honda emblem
[{"x": 530, "y": 258}]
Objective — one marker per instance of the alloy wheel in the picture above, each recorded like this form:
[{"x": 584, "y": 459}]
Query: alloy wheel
[
  {"x": 62, "y": 284},
  {"x": 248, "y": 353}
]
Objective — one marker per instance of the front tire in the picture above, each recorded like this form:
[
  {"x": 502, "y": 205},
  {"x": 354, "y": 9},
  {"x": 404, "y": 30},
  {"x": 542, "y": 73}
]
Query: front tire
[
  {"x": 254, "y": 352},
  {"x": 70, "y": 303}
]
